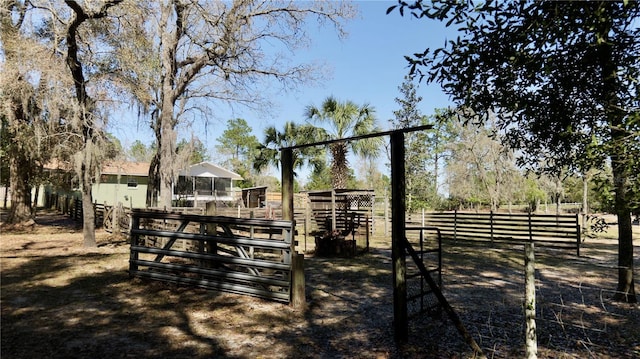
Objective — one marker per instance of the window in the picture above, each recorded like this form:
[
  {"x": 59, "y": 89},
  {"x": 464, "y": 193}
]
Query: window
[
  {"x": 184, "y": 186},
  {"x": 222, "y": 186},
  {"x": 203, "y": 185},
  {"x": 132, "y": 182}
]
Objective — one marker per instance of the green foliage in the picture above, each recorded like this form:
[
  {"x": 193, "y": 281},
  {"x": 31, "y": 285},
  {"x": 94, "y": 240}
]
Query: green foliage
[
  {"x": 541, "y": 67},
  {"x": 238, "y": 147},
  {"x": 343, "y": 120},
  {"x": 237, "y": 142},
  {"x": 420, "y": 155},
  {"x": 533, "y": 193},
  {"x": 293, "y": 134},
  {"x": 197, "y": 151},
  {"x": 605, "y": 195},
  {"x": 139, "y": 152},
  {"x": 320, "y": 178},
  {"x": 562, "y": 80}
]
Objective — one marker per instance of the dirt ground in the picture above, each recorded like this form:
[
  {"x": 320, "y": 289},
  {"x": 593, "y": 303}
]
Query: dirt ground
[{"x": 60, "y": 300}]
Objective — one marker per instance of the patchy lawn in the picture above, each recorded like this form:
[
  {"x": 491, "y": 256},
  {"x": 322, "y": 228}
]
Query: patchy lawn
[{"x": 59, "y": 299}]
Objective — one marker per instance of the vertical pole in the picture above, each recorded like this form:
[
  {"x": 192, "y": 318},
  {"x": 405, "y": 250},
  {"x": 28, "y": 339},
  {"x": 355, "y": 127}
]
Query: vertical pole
[
  {"x": 133, "y": 255},
  {"x": 286, "y": 157},
  {"x": 297, "y": 266},
  {"x": 530, "y": 229},
  {"x": 491, "y": 224},
  {"x": 298, "y": 299},
  {"x": 386, "y": 215},
  {"x": 397, "y": 237},
  {"x": 578, "y": 231},
  {"x": 455, "y": 224},
  {"x": 333, "y": 210},
  {"x": 211, "y": 245},
  {"x": 530, "y": 338}
]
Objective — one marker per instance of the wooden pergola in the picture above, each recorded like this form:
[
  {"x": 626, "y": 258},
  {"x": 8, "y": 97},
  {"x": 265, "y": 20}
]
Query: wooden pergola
[{"x": 398, "y": 209}]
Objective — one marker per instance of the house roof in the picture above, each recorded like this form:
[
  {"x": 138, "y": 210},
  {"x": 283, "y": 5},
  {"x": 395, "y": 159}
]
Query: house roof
[
  {"x": 126, "y": 168},
  {"x": 208, "y": 169},
  {"x": 202, "y": 169}
]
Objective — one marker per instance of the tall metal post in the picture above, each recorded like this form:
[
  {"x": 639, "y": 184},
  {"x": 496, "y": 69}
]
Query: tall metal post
[
  {"x": 286, "y": 159},
  {"x": 400, "y": 321}
]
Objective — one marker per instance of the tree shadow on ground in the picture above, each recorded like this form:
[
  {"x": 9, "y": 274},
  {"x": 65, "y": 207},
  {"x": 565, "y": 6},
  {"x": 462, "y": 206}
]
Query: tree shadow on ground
[{"x": 97, "y": 314}]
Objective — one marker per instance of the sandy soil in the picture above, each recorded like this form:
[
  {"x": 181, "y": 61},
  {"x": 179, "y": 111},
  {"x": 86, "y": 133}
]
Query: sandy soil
[{"x": 60, "y": 300}]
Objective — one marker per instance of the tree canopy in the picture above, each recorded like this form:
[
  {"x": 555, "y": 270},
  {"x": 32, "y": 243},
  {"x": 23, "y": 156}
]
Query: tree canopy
[
  {"x": 561, "y": 79},
  {"x": 346, "y": 119}
]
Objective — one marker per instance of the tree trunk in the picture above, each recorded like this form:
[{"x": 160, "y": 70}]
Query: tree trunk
[
  {"x": 6, "y": 195},
  {"x": 339, "y": 166},
  {"x": 165, "y": 125},
  {"x": 20, "y": 190},
  {"x": 625, "y": 291},
  {"x": 88, "y": 218},
  {"x": 153, "y": 185},
  {"x": 167, "y": 160},
  {"x": 619, "y": 162},
  {"x": 88, "y": 214}
]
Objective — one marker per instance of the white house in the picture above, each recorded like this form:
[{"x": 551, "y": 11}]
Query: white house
[{"x": 206, "y": 182}]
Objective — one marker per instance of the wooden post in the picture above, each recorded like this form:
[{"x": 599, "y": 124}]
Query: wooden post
[
  {"x": 455, "y": 224},
  {"x": 386, "y": 215},
  {"x": 530, "y": 229},
  {"x": 286, "y": 157},
  {"x": 491, "y": 224},
  {"x": 398, "y": 259},
  {"x": 298, "y": 299},
  {"x": 211, "y": 246},
  {"x": 307, "y": 225},
  {"x": 578, "y": 236},
  {"x": 297, "y": 260},
  {"x": 133, "y": 255},
  {"x": 530, "y": 339},
  {"x": 333, "y": 209}
]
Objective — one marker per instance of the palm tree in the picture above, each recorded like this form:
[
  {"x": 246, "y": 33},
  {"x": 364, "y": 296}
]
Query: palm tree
[
  {"x": 293, "y": 134},
  {"x": 346, "y": 119}
]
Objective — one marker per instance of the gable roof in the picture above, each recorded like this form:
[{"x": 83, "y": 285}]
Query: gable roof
[
  {"x": 126, "y": 168},
  {"x": 208, "y": 169}
]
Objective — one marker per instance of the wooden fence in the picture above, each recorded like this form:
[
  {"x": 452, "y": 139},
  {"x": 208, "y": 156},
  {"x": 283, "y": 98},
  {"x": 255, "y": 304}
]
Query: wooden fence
[
  {"x": 238, "y": 255},
  {"x": 555, "y": 231}
]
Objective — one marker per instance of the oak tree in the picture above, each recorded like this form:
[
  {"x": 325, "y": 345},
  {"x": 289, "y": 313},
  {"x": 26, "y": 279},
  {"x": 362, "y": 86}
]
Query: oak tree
[
  {"x": 200, "y": 55},
  {"x": 563, "y": 79}
]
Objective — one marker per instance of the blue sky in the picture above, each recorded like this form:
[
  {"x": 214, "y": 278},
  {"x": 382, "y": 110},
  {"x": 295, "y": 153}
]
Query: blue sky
[{"x": 367, "y": 67}]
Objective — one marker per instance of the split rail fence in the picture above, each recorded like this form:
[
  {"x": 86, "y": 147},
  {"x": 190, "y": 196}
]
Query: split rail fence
[{"x": 238, "y": 255}]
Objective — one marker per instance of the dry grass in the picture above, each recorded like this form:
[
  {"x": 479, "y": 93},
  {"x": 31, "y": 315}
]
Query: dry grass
[{"x": 62, "y": 300}]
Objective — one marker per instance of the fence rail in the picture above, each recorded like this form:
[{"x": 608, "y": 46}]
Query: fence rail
[
  {"x": 555, "y": 231},
  {"x": 239, "y": 255}
]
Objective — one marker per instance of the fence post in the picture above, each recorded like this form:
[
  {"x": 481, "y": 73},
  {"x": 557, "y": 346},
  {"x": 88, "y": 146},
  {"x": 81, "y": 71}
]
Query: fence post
[
  {"x": 115, "y": 224},
  {"x": 530, "y": 229},
  {"x": 578, "y": 232},
  {"x": 133, "y": 257},
  {"x": 333, "y": 210},
  {"x": 455, "y": 224},
  {"x": 386, "y": 215},
  {"x": 298, "y": 300},
  {"x": 530, "y": 338},
  {"x": 491, "y": 224},
  {"x": 398, "y": 237}
]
